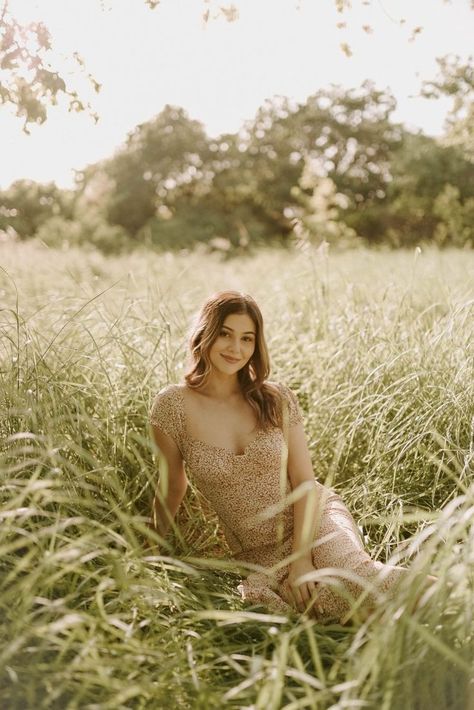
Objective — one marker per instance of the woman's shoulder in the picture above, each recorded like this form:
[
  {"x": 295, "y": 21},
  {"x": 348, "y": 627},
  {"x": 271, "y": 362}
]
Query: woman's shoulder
[
  {"x": 279, "y": 387},
  {"x": 288, "y": 396},
  {"x": 169, "y": 392},
  {"x": 166, "y": 404}
]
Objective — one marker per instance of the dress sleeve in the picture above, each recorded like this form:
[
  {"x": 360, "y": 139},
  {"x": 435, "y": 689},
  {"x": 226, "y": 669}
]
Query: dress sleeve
[
  {"x": 165, "y": 414},
  {"x": 294, "y": 409}
]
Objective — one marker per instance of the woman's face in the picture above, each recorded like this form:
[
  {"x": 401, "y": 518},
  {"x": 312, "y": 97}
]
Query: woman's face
[{"x": 234, "y": 345}]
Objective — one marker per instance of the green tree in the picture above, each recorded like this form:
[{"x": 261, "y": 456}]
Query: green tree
[
  {"x": 456, "y": 218},
  {"x": 343, "y": 135},
  {"x": 420, "y": 170},
  {"x": 160, "y": 157},
  {"x": 456, "y": 80},
  {"x": 26, "y": 205}
]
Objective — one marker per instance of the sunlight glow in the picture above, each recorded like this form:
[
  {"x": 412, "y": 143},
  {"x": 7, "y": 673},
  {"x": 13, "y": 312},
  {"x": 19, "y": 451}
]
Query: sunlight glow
[{"x": 221, "y": 72}]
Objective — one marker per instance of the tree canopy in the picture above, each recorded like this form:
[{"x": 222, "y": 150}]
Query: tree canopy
[
  {"x": 456, "y": 80},
  {"x": 335, "y": 168},
  {"x": 28, "y": 80}
]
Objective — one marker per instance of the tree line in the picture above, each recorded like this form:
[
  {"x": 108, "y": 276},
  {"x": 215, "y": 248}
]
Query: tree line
[{"x": 334, "y": 168}]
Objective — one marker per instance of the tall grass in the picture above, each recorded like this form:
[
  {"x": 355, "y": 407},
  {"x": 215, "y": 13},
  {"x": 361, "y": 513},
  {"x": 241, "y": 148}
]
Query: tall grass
[{"x": 378, "y": 347}]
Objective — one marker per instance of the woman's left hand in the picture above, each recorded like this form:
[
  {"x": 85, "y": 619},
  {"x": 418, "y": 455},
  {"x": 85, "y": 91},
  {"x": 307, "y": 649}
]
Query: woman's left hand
[{"x": 301, "y": 593}]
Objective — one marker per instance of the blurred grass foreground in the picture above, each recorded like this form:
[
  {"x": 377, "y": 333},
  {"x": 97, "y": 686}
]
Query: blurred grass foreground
[{"x": 378, "y": 348}]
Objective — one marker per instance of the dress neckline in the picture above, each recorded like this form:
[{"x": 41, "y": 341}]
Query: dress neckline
[{"x": 205, "y": 444}]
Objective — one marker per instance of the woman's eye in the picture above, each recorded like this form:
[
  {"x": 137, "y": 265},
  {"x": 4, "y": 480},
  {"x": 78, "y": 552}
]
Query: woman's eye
[{"x": 225, "y": 334}]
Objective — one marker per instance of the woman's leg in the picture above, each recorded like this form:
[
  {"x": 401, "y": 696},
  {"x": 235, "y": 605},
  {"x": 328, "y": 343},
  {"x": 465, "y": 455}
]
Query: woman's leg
[{"x": 347, "y": 570}]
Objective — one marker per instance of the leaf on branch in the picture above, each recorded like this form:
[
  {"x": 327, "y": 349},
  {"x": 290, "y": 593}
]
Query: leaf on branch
[
  {"x": 50, "y": 81},
  {"x": 42, "y": 34},
  {"x": 230, "y": 12},
  {"x": 416, "y": 31},
  {"x": 8, "y": 59},
  {"x": 346, "y": 49},
  {"x": 97, "y": 86},
  {"x": 78, "y": 58},
  {"x": 342, "y": 5},
  {"x": 8, "y": 37},
  {"x": 29, "y": 81}
]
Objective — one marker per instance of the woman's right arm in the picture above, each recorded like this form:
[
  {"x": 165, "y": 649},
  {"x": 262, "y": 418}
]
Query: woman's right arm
[{"x": 172, "y": 483}]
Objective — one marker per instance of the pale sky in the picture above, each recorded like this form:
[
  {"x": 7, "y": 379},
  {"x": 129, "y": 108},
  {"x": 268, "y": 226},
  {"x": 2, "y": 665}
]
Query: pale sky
[{"x": 222, "y": 72}]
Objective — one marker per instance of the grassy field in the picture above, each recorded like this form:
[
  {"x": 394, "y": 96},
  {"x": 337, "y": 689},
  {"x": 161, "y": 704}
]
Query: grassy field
[{"x": 378, "y": 348}]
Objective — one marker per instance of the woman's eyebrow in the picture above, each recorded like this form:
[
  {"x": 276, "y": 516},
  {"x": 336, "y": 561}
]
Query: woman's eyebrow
[{"x": 246, "y": 332}]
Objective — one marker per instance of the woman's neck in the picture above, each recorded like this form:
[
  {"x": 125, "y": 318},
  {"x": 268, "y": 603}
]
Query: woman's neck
[{"x": 221, "y": 387}]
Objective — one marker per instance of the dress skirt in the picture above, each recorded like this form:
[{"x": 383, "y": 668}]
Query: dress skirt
[{"x": 345, "y": 571}]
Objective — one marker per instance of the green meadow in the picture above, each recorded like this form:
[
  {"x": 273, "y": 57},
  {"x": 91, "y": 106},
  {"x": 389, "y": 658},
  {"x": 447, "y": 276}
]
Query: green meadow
[{"x": 378, "y": 347}]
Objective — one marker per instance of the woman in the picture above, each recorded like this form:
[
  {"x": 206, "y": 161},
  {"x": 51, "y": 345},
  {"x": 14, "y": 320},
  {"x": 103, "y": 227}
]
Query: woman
[{"x": 242, "y": 439}]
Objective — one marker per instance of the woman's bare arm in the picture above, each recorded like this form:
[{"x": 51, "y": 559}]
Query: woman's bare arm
[
  {"x": 300, "y": 471},
  {"x": 172, "y": 483}
]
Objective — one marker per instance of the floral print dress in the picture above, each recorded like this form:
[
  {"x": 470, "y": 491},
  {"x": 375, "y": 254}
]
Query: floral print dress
[{"x": 248, "y": 491}]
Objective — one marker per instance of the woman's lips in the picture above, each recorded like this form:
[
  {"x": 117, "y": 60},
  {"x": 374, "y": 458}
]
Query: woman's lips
[{"x": 230, "y": 359}]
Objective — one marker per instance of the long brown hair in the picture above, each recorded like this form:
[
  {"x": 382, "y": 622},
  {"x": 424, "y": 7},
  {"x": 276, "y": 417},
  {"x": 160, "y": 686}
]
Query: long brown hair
[{"x": 262, "y": 396}]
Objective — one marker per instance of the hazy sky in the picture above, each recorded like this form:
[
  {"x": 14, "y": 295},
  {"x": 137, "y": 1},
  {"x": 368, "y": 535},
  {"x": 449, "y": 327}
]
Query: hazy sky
[{"x": 222, "y": 72}]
